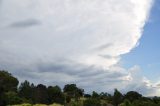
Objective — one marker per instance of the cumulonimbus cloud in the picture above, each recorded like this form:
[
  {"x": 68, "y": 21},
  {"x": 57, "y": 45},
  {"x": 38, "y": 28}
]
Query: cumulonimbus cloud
[{"x": 73, "y": 34}]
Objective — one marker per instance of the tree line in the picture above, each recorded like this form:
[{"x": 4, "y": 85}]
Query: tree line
[{"x": 70, "y": 95}]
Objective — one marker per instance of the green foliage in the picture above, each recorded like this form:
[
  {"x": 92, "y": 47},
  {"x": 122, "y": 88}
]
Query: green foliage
[
  {"x": 55, "y": 95},
  {"x": 7, "y": 81},
  {"x": 156, "y": 100},
  {"x": 12, "y": 98},
  {"x": 73, "y": 91},
  {"x": 132, "y": 96},
  {"x": 95, "y": 94},
  {"x": 87, "y": 96},
  {"x": 92, "y": 102},
  {"x": 2, "y": 100},
  {"x": 41, "y": 95},
  {"x": 117, "y": 98},
  {"x": 70, "y": 89},
  {"x": 143, "y": 103},
  {"x": 76, "y": 103},
  {"x": 26, "y": 91},
  {"x": 126, "y": 103}
]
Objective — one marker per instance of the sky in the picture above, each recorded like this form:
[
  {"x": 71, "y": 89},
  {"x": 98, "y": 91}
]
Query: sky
[
  {"x": 99, "y": 45},
  {"x": 147, "y": 54}
]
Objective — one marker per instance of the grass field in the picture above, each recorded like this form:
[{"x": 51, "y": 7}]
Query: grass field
[{"x": 26, "y": 104}]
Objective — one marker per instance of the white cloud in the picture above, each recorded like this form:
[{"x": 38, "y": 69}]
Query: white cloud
[{"x": 80, "y": 40}]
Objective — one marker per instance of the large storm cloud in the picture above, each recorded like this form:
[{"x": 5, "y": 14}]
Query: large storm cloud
[{"x": 71, "y": 41}]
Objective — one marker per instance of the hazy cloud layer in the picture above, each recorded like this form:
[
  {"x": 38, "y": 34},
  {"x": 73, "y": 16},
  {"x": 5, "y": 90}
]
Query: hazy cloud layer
[{"x": 72, "y": 41}]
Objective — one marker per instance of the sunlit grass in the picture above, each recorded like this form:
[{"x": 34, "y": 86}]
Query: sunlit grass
[{"x": 26, "y": 104}]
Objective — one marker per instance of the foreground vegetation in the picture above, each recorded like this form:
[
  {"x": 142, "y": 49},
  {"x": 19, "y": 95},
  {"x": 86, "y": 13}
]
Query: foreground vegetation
[{"x": 28, "y": 94}]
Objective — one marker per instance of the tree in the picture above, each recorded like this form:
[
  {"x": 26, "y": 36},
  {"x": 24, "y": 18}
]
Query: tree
[
  {"x": 26, "y": 91},
  {"x": 87, "y": 96},
  {"x": 41, "y": 95},
  {"x": 55, "y": 95},
  {"x": 132, "y": 95},
  {"x": 8, "y": 82},
  {"x": 95, "y": 94},
  {"x": 117, "y": 98},
  {"x": 156, "y": 99},
  {"x": 2, "y": 100},
  {"x": 73, "y": 91},
  {"x": 12, "y": 98},
  {"x": 70, "y": 89}
]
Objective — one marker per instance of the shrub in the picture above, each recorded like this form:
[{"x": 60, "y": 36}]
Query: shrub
[{"x": 92, "y": 102}]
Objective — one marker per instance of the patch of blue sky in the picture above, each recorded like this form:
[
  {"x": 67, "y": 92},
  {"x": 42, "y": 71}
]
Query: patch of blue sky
[{"x": 147, "y": 54}]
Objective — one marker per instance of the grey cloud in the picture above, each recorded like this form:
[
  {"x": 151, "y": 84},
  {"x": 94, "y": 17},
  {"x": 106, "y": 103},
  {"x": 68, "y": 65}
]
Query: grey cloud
[
  {"x": 82, "y": 76},
  {"x": 104, "y": 46},
  {"x": 25, "y": 23},
  {"x": 90, "y": 78},
  {"x": 78, "y": 69},
  {"x": 158, "y": 85},
  {"x": 107, "y": 56}
]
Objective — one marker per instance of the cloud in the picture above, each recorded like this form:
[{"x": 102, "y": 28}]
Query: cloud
[
  {"x": 158, "y": 85},
  {"x": 80, "y": 41},
  {"x": 25, "y": 23},
  {"x": 140, "y": 83}
]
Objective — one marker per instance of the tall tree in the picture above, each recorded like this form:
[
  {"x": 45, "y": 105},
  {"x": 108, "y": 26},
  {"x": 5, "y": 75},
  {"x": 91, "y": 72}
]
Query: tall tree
[
  {"x": 7, "y": 81},
  {"x": 95, "y": 94},
  {"x": 2, "y": 100},
  {"x": 73, "y": 91},
  {"x": 26, "y": 91},
  {"x": 41, "y": 95},
  {"x": 117, "y": 98},
  {"x": 12, "y": 98},
  {"x": 70, "y": 90},
  {"x": 55, "y": 94}
]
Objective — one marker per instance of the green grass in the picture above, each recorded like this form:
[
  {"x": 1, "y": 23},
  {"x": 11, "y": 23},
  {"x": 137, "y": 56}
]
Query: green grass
[{"x": 26, "y": 104}]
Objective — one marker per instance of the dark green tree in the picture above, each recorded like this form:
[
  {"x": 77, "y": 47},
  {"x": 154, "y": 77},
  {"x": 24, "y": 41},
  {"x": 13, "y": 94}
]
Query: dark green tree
[
  {"x": 132, "y": 95},
  {"x": 55, "y": 95},
  {"x": 8, "y": 82},
  {"x": 12, "y": 98},
  {"x": 41, "y": 94},
  {"x": 26, "y": 91},
  {"x": 117, "y": 98},
  {"x": 156, "y": 99},
  {"x": 73, "y": 91},
  {"x": 2, "y": 100},
  {"x": 87, "y": 96},
  {"x": 70, "y": 89},
  {"x": 95, "y": 94}
]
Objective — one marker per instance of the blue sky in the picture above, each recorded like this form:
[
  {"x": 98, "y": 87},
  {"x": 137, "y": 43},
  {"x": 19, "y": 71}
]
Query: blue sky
[{"x": 147, "y": 54}]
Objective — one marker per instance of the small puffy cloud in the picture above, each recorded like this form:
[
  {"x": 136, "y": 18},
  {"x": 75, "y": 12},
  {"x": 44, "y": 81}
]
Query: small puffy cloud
[
  {"x": 72, "y": 41},
  {"x": 140, "y": 83}
]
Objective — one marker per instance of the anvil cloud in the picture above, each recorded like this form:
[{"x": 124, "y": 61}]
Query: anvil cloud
[{"x": 71, "y": 41}]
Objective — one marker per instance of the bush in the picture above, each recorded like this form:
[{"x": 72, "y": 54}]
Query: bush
[
  {"x": 92, "y": 102},
  {"x": 12, "y": 98}
]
